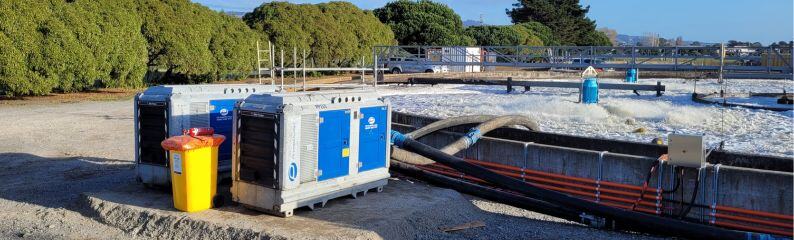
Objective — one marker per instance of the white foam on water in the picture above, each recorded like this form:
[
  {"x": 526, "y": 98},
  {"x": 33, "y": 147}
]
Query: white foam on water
[{"x": 619, "y": 114}]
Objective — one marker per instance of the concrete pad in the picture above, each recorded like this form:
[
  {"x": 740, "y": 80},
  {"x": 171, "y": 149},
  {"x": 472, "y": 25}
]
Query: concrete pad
[
  {"x": 404, "y": 210},
  {"x": 391, "y": 214}
]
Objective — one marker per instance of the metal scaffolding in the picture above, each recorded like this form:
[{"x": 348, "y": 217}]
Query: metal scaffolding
[{"x": 266, "y": 65}]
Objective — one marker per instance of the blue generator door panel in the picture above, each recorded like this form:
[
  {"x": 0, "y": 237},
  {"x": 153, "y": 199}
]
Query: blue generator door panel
[
  {"x": 372, "y": 138},
  {"x": 221, "y": 121},
  {"x": 333, "y": 144}
]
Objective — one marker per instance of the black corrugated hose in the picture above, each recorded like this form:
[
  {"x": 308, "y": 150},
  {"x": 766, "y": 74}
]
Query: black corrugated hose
[
  {"x": 635, "y": 220},
  {"x": 488, "y": 193}
]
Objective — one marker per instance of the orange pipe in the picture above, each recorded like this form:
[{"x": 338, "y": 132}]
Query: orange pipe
[
  {"x": 592, "y": 195},
  {"x": 592, "y": 188},
  {"x": 587, "y": 180},
  {"x": 615, "y": 205},
  {"x": 752, "y": 220},
  {"x": 559, "y": 189},
  {"x": 757, "y": 213},
  {"x": 583, "y": 187},
  {"x": 754, "y": 229},
  {"x": 646, "y": 203},
  {"x": 452, "y": 172},
  {"x": 721, "y": 208}
]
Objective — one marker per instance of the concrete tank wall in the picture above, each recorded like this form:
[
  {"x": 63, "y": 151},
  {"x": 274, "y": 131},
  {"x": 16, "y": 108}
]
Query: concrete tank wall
[{"x": 752, "y": 189}]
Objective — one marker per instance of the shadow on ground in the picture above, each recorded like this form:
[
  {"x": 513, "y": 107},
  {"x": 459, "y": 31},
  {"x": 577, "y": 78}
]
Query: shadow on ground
[
  {"x": 58, "y": 182},
  {"x": 105, "y": 190}
]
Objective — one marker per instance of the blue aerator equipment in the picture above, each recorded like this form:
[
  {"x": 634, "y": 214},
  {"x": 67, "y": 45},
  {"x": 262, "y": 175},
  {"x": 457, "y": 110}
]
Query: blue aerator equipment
[
  {"x": 631, "y": 75},
  {"x": 590, "y": 90},
  {"x": 588, "y": 93}
]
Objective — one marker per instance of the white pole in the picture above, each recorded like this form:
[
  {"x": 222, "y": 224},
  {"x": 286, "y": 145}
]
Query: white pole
[
  {"x": 282, "y": 69},
  {"x": 272, "y": 58},
  {"x": 294, "y": 65},
  {"x": 374, "y": 69},
  {"x": 258, "y": 63},
  {"x": 723, "y": 87},
  {"x": 362, "y": 71},
  {"x": 303, "y": 66},
  {"x": 722, "y": 60}
]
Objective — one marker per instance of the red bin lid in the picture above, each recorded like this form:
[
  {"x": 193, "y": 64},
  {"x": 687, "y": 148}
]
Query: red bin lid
[{"x": 185, "y": 142}]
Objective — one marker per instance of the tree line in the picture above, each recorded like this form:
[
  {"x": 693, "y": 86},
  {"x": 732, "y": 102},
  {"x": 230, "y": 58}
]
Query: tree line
[
  {"x": 333, "y": 34},
  {"x": 76, "y": 45},
  {"x": 425, "y": 22}
]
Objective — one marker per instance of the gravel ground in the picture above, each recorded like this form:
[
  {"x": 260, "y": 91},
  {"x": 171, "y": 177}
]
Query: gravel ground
[{"x": 53, "y": 153}]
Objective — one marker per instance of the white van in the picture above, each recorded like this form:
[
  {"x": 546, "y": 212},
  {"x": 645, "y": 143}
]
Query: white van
[{"x": 413, "y": 65}]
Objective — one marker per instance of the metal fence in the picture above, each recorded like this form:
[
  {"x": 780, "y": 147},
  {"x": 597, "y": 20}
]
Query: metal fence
[{"x": 764, "y": 61}]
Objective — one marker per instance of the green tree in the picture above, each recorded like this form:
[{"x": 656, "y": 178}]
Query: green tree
[
  {"x": 15, "y": 78},
  {"x": 503, "y": 36},
  {"x": 611, "y": 34},
  {"x": 596, "y": 38},
  {"x": 66, "y": 46},
  {"x": 543, "y": 32},
  {"x": 367, "y": 31},
  {"x": 423, "y": 22},
  {"x": 54, "y": 57},
  {"x": 20, "y": 46},
  {"x": 178, "y": 35},
  {"x": 333, "y": 34},
  {"x": 567, "y": 19},
  {"x": 117, "y": 50},
  {"x": 233, "y": 46},
  {"x": 191, "y": 43}
]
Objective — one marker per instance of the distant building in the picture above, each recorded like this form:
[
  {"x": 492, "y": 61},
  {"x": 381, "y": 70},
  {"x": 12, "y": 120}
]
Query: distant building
[
  {"x": 469, "y": 23},
  {"x": 235, "y": 14},
  {"x": 468, "y": 59},
  {"x": 741, "y": 50}
]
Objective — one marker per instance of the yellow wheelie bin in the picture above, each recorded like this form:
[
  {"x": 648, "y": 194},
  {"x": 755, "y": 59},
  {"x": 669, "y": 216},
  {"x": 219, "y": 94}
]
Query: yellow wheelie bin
[{"x": 194, "y": 170}]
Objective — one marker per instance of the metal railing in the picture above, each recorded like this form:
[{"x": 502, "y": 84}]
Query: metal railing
[{"x": 763, "y": 61}]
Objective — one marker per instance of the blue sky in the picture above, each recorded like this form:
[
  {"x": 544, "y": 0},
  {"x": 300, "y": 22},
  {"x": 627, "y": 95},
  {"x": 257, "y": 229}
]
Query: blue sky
[{"x": 764, "y": 21}]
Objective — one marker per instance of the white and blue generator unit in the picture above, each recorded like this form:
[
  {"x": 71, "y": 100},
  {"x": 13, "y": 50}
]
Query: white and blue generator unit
[
  {"x": 302, "y": 149},
  {"x": 164, "y": 111}
]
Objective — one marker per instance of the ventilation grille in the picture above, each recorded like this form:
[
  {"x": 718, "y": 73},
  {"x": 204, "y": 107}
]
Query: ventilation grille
[
  {"x": 258, "y": 134},
  {"x": 308, "y": 147},
  {"x": 152, "y": 130},
  {"x": 199, "y": 114}
]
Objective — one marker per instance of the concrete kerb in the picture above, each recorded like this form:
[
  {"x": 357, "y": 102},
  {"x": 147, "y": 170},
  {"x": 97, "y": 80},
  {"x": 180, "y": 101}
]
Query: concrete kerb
[{"x": 402, "y": 211}]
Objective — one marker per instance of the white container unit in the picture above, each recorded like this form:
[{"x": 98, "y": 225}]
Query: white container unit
[
  {"x": 302, "y": 149},
  {"x": 466, "y": 59},
  {"x": 164, "y": 111}
]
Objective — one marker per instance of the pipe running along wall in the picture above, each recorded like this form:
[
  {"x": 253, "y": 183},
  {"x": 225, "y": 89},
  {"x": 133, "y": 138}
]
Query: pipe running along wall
[
  {"x": 616, "y": 195},
  {"x": 489, "y": 123},
  {"x": 644, "y": 222},
  {"x": 488, "y": 193},
  {"x": 620, "y": 196}
]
